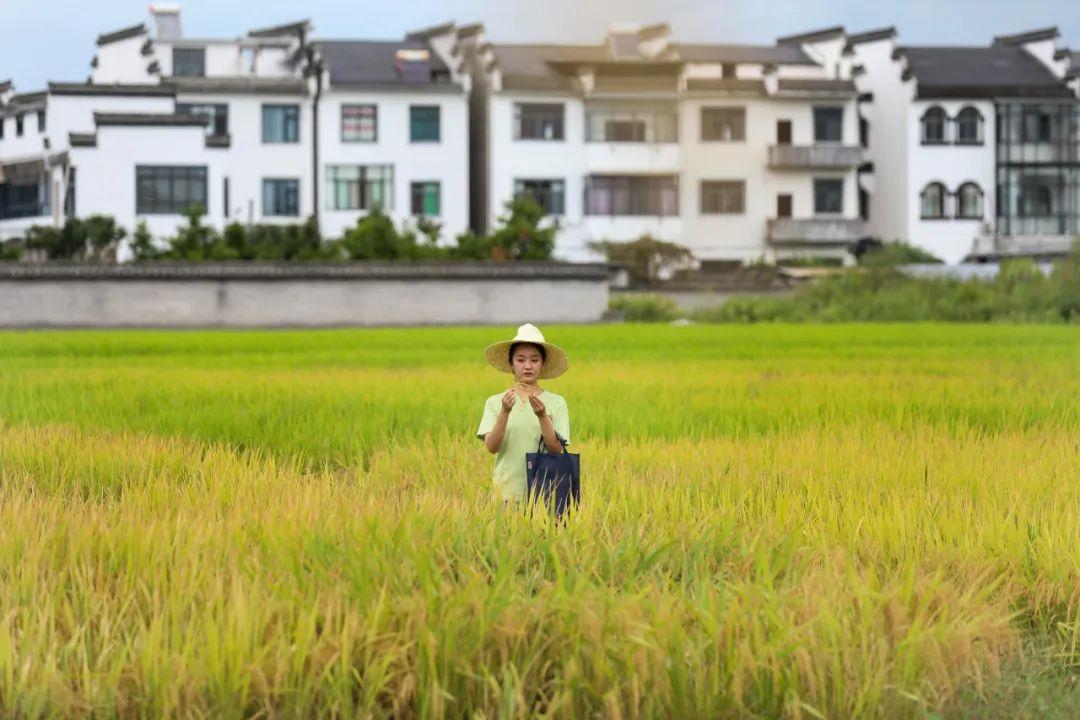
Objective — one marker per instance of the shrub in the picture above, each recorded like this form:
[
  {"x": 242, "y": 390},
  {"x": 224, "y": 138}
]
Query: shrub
[
  {"x": 645, "y": 308},
  {"x": 646, "y": 258},
  {"x": 520, "y": 236},
  {"x": 93, "y": 239}
]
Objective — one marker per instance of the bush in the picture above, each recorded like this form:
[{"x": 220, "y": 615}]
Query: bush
[
  {"x": 93, "y": 239},
  {"x": 520, "y": 237},
  {"x": 645, "y": 308},
  {"x": 646, "y": 258}
]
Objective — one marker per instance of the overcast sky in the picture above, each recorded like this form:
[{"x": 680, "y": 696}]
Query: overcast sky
[{"x": 44, "y": 40}]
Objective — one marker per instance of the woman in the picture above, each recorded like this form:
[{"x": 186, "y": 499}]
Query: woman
[{"x": 514, "y": 421}]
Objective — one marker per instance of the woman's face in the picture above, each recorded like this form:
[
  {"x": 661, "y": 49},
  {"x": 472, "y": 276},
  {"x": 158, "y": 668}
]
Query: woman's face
[{"x": 528, "y": 362}]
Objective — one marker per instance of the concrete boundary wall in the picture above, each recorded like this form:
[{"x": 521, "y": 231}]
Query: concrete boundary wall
[{"x": 255, "y": 294}]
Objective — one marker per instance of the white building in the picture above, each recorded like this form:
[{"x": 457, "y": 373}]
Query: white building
[
  {"x": 273, "y": 127},
  {"x": 736, "y": 151},
  {"x": 975, "y": 151}
]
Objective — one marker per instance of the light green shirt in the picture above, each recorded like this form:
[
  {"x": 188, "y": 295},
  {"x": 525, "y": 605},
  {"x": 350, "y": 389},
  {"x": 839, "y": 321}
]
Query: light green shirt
[{"x": 522, "y": 436}]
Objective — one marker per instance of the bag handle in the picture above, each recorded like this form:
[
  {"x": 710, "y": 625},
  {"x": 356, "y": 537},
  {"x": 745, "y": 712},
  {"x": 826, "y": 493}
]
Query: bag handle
[{"x": 540, "y": 448}]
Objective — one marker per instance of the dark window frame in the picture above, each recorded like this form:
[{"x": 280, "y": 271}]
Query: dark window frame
[
  {"x": 632, "y": 195},
  {"x": 542, "y": 115},
  {"x": 820, "y": 183},
  {"x": 358, "y": 138},
  {"x": 437, "y": 124},
  {"x": 935, "y": 111},
  {"x": 285, "y": 191},
  {"x": 551, "y": 200},
  {"x": 821, "y": 115},
  {"x": 364, "y": 190},
  {"x": 968, "y": 111},
  {"x": 942, "y": 213},
  {"x": 19, "y": 125},
  {"x": 219, "y": 117},
  {"x": 293, "y": 122},
  {"x": 191, "y": 53},
  {"x": 960, "y": 214},
  {"x": 421, "y": 186},
  {"x": 151, "y": 176},
  {"x": 713, "y": 201},
  {"x": 710, "y": 126}
]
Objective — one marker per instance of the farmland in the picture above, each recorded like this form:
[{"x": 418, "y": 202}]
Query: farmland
[{"x": 865, "y": 520}]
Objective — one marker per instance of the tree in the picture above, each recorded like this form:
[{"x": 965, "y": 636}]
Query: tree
[
  {"x": 647, "y": 258},
  {"x": 520, "y": 236},
  {"x": 94, "y": 239}
]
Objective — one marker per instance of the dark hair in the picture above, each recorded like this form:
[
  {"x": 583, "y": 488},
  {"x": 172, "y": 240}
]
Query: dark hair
[{"x": 541, "y": 348}]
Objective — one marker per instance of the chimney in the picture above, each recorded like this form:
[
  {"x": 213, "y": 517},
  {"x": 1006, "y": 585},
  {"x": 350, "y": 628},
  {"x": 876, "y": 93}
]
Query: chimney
[{"x": 166, "y": 21}]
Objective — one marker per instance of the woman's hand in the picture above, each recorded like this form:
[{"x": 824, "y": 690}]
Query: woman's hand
[
  {"x": 537, "y": 406},
  {"x": 508, "y": 399}
]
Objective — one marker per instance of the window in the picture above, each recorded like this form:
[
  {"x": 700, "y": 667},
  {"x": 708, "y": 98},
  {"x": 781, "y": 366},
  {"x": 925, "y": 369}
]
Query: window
[
  {"x": 624, "y": 130},
  {"x": 538, "y": 121},
  {"x": 281, "y": 196},
  {"x": 969, "y": 202},
  {"x": 722, "y": 197},
  {"x": 1, "y": 128},
  {"x": 425, "y": 198},
  {"x": 18, "y": 125},
  {"x": 828, "y": 124},
  {"x": 359, "y": 123},
  {"x": 1036, "y": 200},
  {"x": 359, "y": 187},
  {"x": 725, "y": 124},
  {"x": 1036, "y": 127},
  {"x": 969, "y": 127},
  {"x": 41, "y": 121},
  {"x": 864, "y": 133},
  {"x": 550, "y": 194},
  {"x": 69, "y": 194},
  {"x": 280, "y": 123},
  {"x": 218, "y": 114},
  {"x": 728, "y": 70},
  {"x": 424, "y": 123},
  {"x": 169, "y": 190},
  {"x": 933, "y": 126},
  {"x": 828, "y": 196},
  {"x": 631, "y": 195},
  {"x": 932, "y": 201},
  {"x": 189, "y": 62}
]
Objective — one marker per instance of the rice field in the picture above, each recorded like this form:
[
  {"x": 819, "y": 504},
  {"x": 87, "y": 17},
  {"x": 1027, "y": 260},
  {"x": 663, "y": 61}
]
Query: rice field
[{"x": 820, "y": 521}]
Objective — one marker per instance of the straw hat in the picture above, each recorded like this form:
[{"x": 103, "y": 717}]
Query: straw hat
[{"x": 498, "y": 354}]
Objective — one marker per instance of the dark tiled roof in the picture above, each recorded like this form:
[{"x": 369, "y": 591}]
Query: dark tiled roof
[
  {"x": 780, "y": 54},
  {"x": 728, "y": 85},
  {"x": 871, "y": 35},
  {"x": 82, "y": 139},
  {"x": 122, "y": 34},
  {"x": 1050, "y": 33},
  {"x": 115, "y": 89},
  {"x": 218, "y": 141},
  {"x": 294, "y": 28},
  {"x": 812, "y": 36},
  {"x": 140, "y": 119},
  {"x": 817, "y": 87},
  {"x": 5, "y": 85},
  {"x": 243, "y": 84},
  {"x": 469, "y": 30},
  {"x": 373, "y": 62},
  {"x": 998, "y": 71}
]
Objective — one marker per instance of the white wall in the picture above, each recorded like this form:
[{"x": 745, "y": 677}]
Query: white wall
[
  {"x": 105, "y": 175},
  {"x": 248, "y": 160},
  {"x": 122, "y": 62},
  {"x": 445, "y": 161},
  {"x": 888, "y": 119},
  {"x": 543, "y": 159},
  {"x": 949, "y": 238},
  {"x": 30, "y": 144},
  {"x": 743, "y": 236}
]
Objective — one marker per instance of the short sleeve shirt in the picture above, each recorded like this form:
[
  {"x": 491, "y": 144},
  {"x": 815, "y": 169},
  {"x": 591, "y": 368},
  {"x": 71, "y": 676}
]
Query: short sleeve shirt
[{"x": 522, "y": 436}]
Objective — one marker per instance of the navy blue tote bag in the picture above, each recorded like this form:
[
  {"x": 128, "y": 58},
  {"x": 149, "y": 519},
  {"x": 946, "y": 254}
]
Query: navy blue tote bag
[{"x": 553, "y": 478}]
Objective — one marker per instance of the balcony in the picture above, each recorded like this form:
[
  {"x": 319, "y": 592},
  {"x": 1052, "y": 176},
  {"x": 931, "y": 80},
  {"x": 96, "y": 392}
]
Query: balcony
[
  {"x": 814, "y": 157},
  {"x": 819, "y": 232}
]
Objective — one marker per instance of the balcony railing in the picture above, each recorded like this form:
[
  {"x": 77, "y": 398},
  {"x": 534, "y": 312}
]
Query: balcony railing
[
  {"x": 814, "y": 156},
  {"x": 814, "y": 231},
  {"x": 619, "y": 125}
]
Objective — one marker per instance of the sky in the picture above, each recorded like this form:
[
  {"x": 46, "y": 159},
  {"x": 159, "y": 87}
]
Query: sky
[{"x": 42, "y": 40}]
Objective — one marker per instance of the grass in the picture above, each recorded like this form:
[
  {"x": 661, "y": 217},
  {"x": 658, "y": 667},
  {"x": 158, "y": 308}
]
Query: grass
[{"x": 777, "y": 521}]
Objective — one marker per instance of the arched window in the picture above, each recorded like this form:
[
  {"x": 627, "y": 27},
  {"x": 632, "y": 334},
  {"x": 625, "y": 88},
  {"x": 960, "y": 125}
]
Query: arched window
[
  {"x": 969, "y": 127},
  {"x": 933, "y": 126},
  {"x": 932, "y": 201},
  {"x": 969, "y": 202}
]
